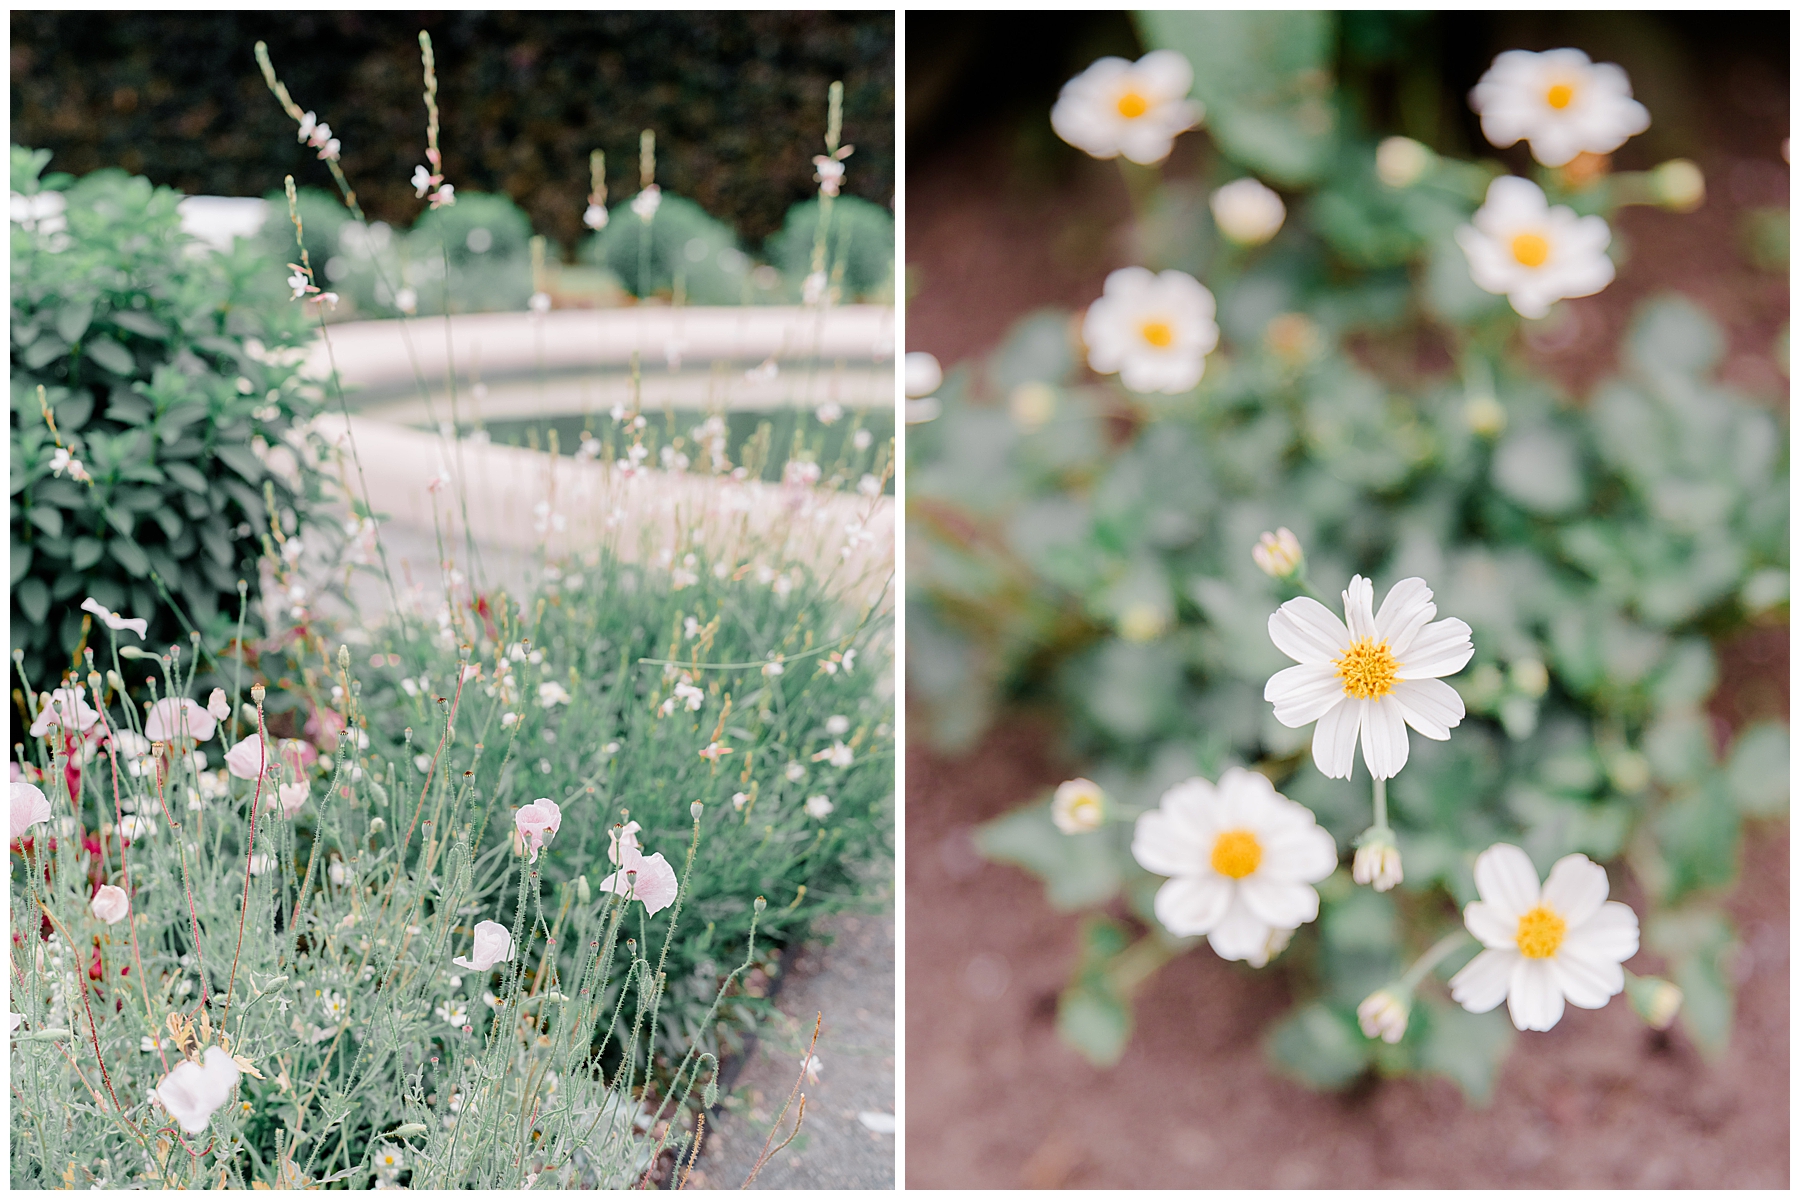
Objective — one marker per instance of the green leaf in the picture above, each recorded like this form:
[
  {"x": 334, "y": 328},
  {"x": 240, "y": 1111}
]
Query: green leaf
[
  {"x": 1095, "y": 1023},
  {"x": 1318, "y": 1046},
  {"x": 1468, "y": 1048},
  {"x": 239, "y": 459},
  {"x": 1671, "y": 336},
  {"x": 34, "y": 600},
  {"x": 110, "y": 355},
  {"x": 139, "y": 323},
  {"x": 1679, "y": 746},
  {"x": 1758, "y": 770},
  {"x": 72, "y": 319},
  {"x": 44, "y": 351},
  {"x": 131, "y": 556},
  {"x": 1698, "y": 836},
  {"x": 187, "y": 475},
  {"x": 1079, "y": 870},
  {"x": 1699, "y": 942},
  {"x": 47, "y": 518},
  {"x": 86, "y": 552},
  {"x": 1538, "y": 467}
]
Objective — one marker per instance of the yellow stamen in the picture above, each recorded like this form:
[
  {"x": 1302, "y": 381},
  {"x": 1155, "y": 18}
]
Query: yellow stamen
[
  {"x": 1540, "y": 933},
  {"x": 1368, "y": 670},
  {"x": 1559, "y": 96},
  {"x": 1158, "y": 334},
  {"x": 1132, "y": 105},
  {"x": 1236, "y": 853},
  {"x": 1530, "y": 249}
]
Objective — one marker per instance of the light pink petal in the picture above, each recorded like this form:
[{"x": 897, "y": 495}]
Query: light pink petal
[
  {"x": 1575, "y": 888},
  {"x": 1481, "y": 986},
  {"x": 1308, "y": 632},
  {"x": 1334, "y": 739},
  {"x": 1383, "y": 737},
  {"x": 1430, "y": 706},
  {"x": 1534, "y": 998},
  {"x": 1507, "y": 881},
  {"x": 1193, "y": 904},
  {"x": 28, "y": 808}
]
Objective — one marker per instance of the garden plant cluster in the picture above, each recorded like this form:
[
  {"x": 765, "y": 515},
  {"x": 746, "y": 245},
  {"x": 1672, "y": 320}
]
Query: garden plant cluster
[
  {"x": 464, "y": 888},
  {"x": 1388, "y": 674}
]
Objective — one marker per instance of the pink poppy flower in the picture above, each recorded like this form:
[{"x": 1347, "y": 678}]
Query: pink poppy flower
[
  {"x": 111, "y": 904},
  {"x": 648, "y": 878},
  {"x": 493, "y": 944},
  {"x": 248, "y": 758},
  {"x": 537, "y": 820},
  {"x": 28, "y": 808},
  {"x": 171, "y": 719}
]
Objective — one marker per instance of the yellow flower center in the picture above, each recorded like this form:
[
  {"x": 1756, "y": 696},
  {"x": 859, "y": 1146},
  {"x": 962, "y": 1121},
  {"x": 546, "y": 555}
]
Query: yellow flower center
[
  {"x": 1158, "y": 333},
  {"x": 1132, "y": 105},
  {"x": 1540, "y": 933},
  {"x": 1236, "y": 853},
  {"x": 1368, "y": 670},
  {"x": 1531, "y": 249},
  {"x": 1559, "y": 96}
]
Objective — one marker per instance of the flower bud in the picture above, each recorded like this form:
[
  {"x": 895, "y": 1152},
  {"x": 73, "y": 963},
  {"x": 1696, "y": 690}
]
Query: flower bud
[
  {"x": 377, "y": 826},
  {"x": 1279, "y": 554},
  {"x": 1485, "y": 415},
  {"x": 1679, "y": 185},
  {"x": 710, "y": 1094},
  {"x": 1657, "y": 1001},
  {"x": 1384, "y": 1014},
  {"x": 1079, "y": 807},
  {"x": 1531, "y": 677},
  {"x": 409, "y": 1129},
  {"x": 1246, "y": 212},
  {"x": 760, "y": 904},
  {"x": 695, "y": 809},
  {"x": 1401, "y": 162},
  {"x": 583, "y": 893},
  {"x": 1377, "y": 860}
]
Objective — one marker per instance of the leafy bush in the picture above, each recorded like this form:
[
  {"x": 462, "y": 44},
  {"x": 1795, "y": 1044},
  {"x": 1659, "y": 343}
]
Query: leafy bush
[
  {"x": 680, "y": 242},
  {"x": 1090, "y": 545},
  {"x": 172, "y": 376},
  {"x": 859, "y": 243}
]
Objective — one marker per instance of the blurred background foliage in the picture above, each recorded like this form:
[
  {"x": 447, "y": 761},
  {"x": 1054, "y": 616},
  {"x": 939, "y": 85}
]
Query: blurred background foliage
[
  {"x": 736, "y": 100},
  {"x": 1076, "y": 545}
]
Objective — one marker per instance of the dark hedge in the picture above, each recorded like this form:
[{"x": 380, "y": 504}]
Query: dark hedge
[{"x": 737, "y": 101}]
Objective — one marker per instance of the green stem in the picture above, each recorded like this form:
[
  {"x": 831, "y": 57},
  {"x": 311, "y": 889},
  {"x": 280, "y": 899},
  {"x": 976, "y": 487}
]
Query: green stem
[
  {"x": 1381, "y": 821},
  {"x": 1443, "y": 948}
]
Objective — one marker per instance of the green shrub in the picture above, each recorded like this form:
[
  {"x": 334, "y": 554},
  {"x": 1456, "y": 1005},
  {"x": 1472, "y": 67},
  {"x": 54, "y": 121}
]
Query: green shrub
[
  {"x": 859, "y": 242},
  {"x": 173, "y": 378},
  {"x": 681, "y": 242}
]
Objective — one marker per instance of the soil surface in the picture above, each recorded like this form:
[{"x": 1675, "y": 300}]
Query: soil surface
[{"x": 995, "y": 1100}]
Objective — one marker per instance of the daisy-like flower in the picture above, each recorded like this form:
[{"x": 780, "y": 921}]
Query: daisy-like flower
[
  {"x": 337, "y": 1006},
  {"x": 645, "y": 877},
  {"x": 1563, "y": 941},
  {"x": 112, "y": 620},
  {"x": 1560, "y": 102},
  {"x": 1520, "y": 247},
  {"x": 1241, "y": 858},
  {"x": 536, "y": 821},
  {"x": 1136, "y": 109},
  {"x": 111, "y": 904},
  {"x": 1373, "y": 677},
  {"x": 1246, "y": 212},
  {"x": 388, "y": 1158},
  {"x": 131, "y": 828},
  {"x": 193, "y": 1091},
  {"x": 1079, "y": 806},
  {"x": 452, "y": 1013},
  {"x": 493, "y": 944},
  {"x": 28, "y": 808},
  {"x": 1155, "y": 331}
]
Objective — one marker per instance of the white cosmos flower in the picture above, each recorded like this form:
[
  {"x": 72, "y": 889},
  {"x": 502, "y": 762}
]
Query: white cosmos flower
[
  {"x": 1246, "y": 212},
  {"x": 1533, "y": 254},
  {"x": 1136, "y": 109},
  {"x": 1241, "y": 858},
  {"x": 1560, "y": 102},
  {"x": 1563, "y": 941},
  {"x": 1373, "y": 677},
  {"x": 1154, "y": 330}
]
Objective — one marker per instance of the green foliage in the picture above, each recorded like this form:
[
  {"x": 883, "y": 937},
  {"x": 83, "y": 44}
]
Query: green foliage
[
  {"x": 172, "y": 375},
  {"x": 859, "y": 247},
  {"x": 1076, "y": 543},
  {"x": 680, "y": 243}
]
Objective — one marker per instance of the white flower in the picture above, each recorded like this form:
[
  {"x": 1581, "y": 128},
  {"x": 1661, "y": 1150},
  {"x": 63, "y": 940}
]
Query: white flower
[
  {"x": 61, "y": 460},
  {"x": 308, "y": 123},
  {"x": 337, "y": 1006},
  {"x": 819, "y": 807},
  {"x": 551, "y": 693},
  {"x": 1560, "y": 102},
  {"x": 134, "y": 827},
  {"x": 837, "y": 725},
  {"x": 299, "y": 283},
  {"x": 493, "y": 944},
  {"x": 795, "y": 772},
  {"x": 28, "y": 808},
  {"x": 1242, "y": 860},
  {"x": 421, "y": 181},
  {"x": 1279, "y": 553},
  {"x": 1533, "y": 254},
  {"x": 812, "y": 288},
  {"x": 452, "y": 1013},
  {"x": 539, "y": 302},
  {"x": 113, "y": 620},
  {"x": 111, "y": 904},
  {"x": 1246, "y": 212},
  {"x": 862, "y": 439},
  {"x": 1564, "y": 941},
  {"x": 831, "y": 174},
  {"x": 1401, "y": 162},
  {"x": 830, "y": 412},
  {"x": 1135, "y": 109},
  {"x": 1154, "y": 330},
  {"x": 1079, "y": 807},
  {"x": 1373, "y": 677},
  {"x": 173, "y": 718},
  {"x": 595, "y": 217},
  {"x": 444, "y": 197},
  {"x": 66, "y": 707},
  {"x": 406, "y": 300},
  {"x": 738, "y": 800},
  {"x": 1384, "y": 1015},
  {"x": 193, "y": 1091},
  {"x": 1377, "y": 863},
  {"x": 923, "y": 374},
  {"x": 646, "y": 202},
  {"x": 536, "y": 820},
  {"x": 812, "y": 1063}
]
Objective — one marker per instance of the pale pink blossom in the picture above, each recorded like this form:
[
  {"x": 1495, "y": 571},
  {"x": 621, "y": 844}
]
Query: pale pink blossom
[
  {"x": 28, "y": 808},
  {"x": 536, "y": 821},
  {"x": 111, "y": 904},
  {"x": 173, "y": 719},
  {"x": 493, "y": 944},
  {"x": 193, "y": 1091},
  {"x": 113, "y": 620},
  {"x": 648, "y": 878},
  {"x": 249, "y": 758},
  {"x": 217, "y": 706},
  {"x": 65, "y": 707},
  {"x": 292, "y": 797}
]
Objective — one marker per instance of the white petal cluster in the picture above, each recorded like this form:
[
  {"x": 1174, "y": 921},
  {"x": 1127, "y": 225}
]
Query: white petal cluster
[
  {"x": 1246, "y": 212},
  {"x": 193, "y": 1091},
  {"x": 1560, "y": 102},
  {"x": 1241, "y": 860},
  {"x": 1370, "y": 677},
  {"x": 1545, "y": 945},
  {"x": 1520, "y": 247},
  {"x": 1120, "y": 107},
  {"x": 1154, "y": 330}
]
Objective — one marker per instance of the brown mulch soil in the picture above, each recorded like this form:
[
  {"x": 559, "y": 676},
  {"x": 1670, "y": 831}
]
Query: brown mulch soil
[{"x": 995, "y": 1100}]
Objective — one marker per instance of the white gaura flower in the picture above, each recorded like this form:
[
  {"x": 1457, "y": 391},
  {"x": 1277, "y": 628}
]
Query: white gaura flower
[
  {"x": 1520, "y": 247},
  {"x": 1246, "y": 212},
  {"x": 1373, "y": 677},
  {"x": 1241, "y": 858},
  {"x": 1560, "y": 102},
  {"x": 1136, "y": 109},
  {"x": 111, "y": 904},
  {"x": 1154, "y": 330},
  {"x": 1564, "y": 941},
  {"x": 493, "y": 944},
  {"x": 193, "y": 1091}
]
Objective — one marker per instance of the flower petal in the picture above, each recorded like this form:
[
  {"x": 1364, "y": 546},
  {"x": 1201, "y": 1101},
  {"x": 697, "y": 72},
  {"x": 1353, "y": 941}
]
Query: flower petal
[
  {"x": 1303, "y": 694},
  {"x": 1533, "y": 997},
  {"x": 1611, "y": 934},
  {"x": 1193, "y": 904},
  {"x": 1430, "y": 706},
  {"x": 1507, "y": 881},
  {"x": 1490, "y": 928},
  {"x": 1297, "y": 851},
  {"x": 1240, "y": 934},
  {"x": 1334, "y": 739},
  {"x": 1280, "y": 905},
  {"x": 1585, "y": 982},
  {"x": 1359, "y": 608},
  {"x": 1441, "y": 648},
  {"x": 1308, "y": 632},
  {"x": 1384, "y": 741},
  {"x": 1406, "y": 610},
  {"x": 1575, "y": 889},
  {"x": 1481, "y": 986},
  {"x": 1169, "y": 843}
]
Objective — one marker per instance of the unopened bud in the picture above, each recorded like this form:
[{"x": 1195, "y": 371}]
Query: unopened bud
[
  {"x": 583, "y": 893},
  {"x": 1279, "y": 554},
  {"x": 760, "y": 904},
  {"x": 1377, "y": 860},
  {"x": 695, "y": 809},
  {"x": 1657, "y": 1001},
  {"x": 377, "y": 826},
  {"x": 344, "y": 658},
  {"x": 1401, "y": 162},
  {"x": 1079, "y": 807},
  {"x": 710, "y": 1094},
  {"x": 1384, "y": 1014},
  {"x": 1679, "y": 185},
  {"x": 1247, "y": 212}
]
